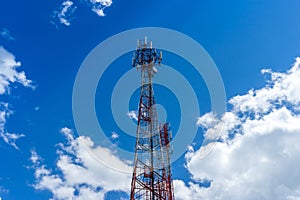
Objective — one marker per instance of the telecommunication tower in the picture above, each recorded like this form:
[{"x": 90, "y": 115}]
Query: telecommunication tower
[{"x": 152, "y": 177}]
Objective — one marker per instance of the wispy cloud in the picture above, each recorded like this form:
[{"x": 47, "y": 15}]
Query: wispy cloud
[
  {"x": 98, "y": 6},
  {"x": 9, "y": 73},
  {"x": 34, "y": 158},
  {"x": 80, "y": 174},
  {"x": 114, "y": 135},
  {"x": 133, "y": 115},
  {"x": 9, "y": 138},
  {"x": 255, "y": 145},
  {"x": 8, "y": 76},
  {"x": 5, "y": 33},
  {"x": 64, "y": 14}
]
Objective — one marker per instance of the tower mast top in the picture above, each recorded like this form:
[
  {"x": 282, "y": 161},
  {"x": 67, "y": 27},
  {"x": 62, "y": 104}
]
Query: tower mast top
[{"x": 145, "y": 55}]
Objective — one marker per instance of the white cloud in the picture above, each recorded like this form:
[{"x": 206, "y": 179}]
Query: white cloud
[
  {"x": 9, "y": 138},
  {"x": 64, "y": 13},
  {"x": 9, "y": 73},
  {"x": 102, "y": 2},
  {"x": 68, "y": 133},
  {"x": 81, "y": 175},
  {"x": 8, "y": 76},
  {"x": 190, "y": 192},
  {"x": 114, "y": 135},
  {"x": 99, "y": 11},
  {"x": 217, "y": 129},
  {"x": 283, "y": 87},
  {"x": 98, "y": 6},
  {"x": 133, "y": 115},
  {"x": 207, "y": 120},
  {"x": 5, "y": 33},
  {"x": 4, "y": 113},
  {"x": 34, "y": 158},
  {"x": 255, "y": 145},
  {"x": 67, "y": 9}
]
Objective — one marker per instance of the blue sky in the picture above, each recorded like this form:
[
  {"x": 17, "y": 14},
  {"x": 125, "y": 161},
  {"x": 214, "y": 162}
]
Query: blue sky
[{"x": 51, "y": 39}]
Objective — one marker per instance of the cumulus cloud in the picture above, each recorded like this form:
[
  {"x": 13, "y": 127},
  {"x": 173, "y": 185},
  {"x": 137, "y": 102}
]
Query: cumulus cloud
[
  {"x": 79, "y": 173},
  {"x": 255, "y": 145},
  {"x": 191, "y": 191}
]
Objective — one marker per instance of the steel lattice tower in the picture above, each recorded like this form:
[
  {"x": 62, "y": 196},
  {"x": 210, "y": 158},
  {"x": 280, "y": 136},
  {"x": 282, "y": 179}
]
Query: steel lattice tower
[{"x": 152, "y": 178}]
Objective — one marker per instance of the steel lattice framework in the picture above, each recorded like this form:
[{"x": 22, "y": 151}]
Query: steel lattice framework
[{"x": 152, "y": 178}]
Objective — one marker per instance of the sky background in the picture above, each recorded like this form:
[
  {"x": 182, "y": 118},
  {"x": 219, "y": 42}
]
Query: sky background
[{"x": 43, "y": 44}]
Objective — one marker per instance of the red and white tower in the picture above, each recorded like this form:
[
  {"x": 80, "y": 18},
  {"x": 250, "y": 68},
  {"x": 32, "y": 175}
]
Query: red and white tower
[{"x": 152, "y": 177}]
